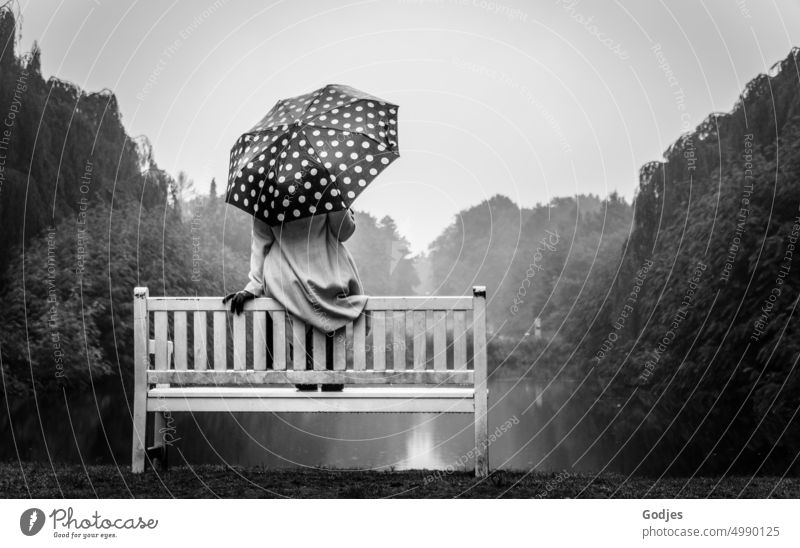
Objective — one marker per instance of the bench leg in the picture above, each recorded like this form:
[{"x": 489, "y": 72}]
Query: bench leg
[
  {"x": 139, "y": 436},
  {"x": 159, "y": 449},
  {"x": 481, "y": 432}
]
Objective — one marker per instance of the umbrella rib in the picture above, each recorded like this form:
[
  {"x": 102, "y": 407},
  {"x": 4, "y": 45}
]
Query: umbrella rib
[
  {"x": 331, "y": 177},
  {"x": 355, "y": 100},
  {"x": 373, "y": 139},
  {"x": 317, "y": 96}
]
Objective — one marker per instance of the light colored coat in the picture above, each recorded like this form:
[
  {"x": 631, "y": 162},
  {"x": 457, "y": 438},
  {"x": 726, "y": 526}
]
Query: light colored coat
[{"x": 304, "y": 266}]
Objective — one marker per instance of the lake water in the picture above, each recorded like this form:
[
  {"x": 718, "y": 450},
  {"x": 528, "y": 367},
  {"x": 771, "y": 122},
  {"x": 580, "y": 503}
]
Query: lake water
[{"x": 541, "y": 431}]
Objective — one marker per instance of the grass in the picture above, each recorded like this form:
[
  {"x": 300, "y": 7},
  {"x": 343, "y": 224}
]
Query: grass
[{"x": 40, "y": 480}]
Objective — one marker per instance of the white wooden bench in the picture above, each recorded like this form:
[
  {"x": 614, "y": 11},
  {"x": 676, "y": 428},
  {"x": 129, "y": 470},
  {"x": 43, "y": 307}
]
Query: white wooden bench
[{"x": 173, "y": 374}]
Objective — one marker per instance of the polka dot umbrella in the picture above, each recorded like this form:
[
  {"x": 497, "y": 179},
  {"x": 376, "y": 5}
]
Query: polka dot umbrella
[{"x": 312, "y": 154}]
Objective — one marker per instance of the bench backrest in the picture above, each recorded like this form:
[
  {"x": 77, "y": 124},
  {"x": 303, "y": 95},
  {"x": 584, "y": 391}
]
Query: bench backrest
[{"x": 410, "y": 340}]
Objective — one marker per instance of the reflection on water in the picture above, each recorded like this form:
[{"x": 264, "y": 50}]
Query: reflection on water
[{"x": 98, "y": 430}]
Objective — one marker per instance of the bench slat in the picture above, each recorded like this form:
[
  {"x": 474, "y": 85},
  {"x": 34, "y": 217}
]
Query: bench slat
[
  {"x": 239, "y": 341},
  {"x": 298, "y": 344},
  {"x": 207, "y": 304},
  {"x": 419, "y": 303},
  {"x": 181, "y": 339},
  {"x": 279, "y": 340},
  {"x": 360, "y": 343},
  {"x": 161, "y": 350},
  {"x": 214, "y": 304},
  {"x": 200, "y": 349},
  {"x": 419, "y": 339},
  {"x": 459, "y": 339},
  {"x": 220, "y": 341},
  {"x": 248, "y": 377},
  {"x": 260, "y": 340},
  {"x": 339, "y": 349},
  {"x": 319, "y": 350},
  {"x": 439, "y": 339},
  {"x": 399, "y": 340},
  {"x": 351, "y": 400},
  {"x": 379, "y": 340}
]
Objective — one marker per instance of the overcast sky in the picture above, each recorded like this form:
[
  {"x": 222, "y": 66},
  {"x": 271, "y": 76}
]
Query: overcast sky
[{"x": 527, "y": 99}]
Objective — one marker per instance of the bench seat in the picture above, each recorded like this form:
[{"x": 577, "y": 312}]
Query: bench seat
[{"x": 353, "y": 399}]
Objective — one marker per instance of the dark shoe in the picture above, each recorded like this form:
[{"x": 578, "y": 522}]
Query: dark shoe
[
  {"x": 332, "y": 387},
  {"x": 306, "y": 387}
]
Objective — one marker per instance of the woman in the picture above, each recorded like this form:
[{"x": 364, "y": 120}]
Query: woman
[{"x": 304, "y": 266}]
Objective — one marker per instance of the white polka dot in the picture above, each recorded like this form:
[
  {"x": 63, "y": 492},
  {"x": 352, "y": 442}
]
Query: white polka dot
[
  {"x": 351, "y": 194},
  {"x": 296, "y": 212},
  {"x": 373, "y": 171},
  {"x": 328, "y": 206}
]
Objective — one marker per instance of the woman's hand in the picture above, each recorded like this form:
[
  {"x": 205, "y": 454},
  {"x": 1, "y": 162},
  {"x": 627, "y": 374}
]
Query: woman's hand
[{"x": 237, "y": 300}]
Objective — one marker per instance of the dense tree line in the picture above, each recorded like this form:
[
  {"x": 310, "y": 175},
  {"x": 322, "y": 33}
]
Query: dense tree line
[
  {"x": 678, "y": 319},
  {"x": 87, "y": 215}
]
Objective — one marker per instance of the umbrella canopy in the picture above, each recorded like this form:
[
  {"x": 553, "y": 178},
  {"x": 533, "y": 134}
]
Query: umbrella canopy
[{"x": 312, "y": 154}]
